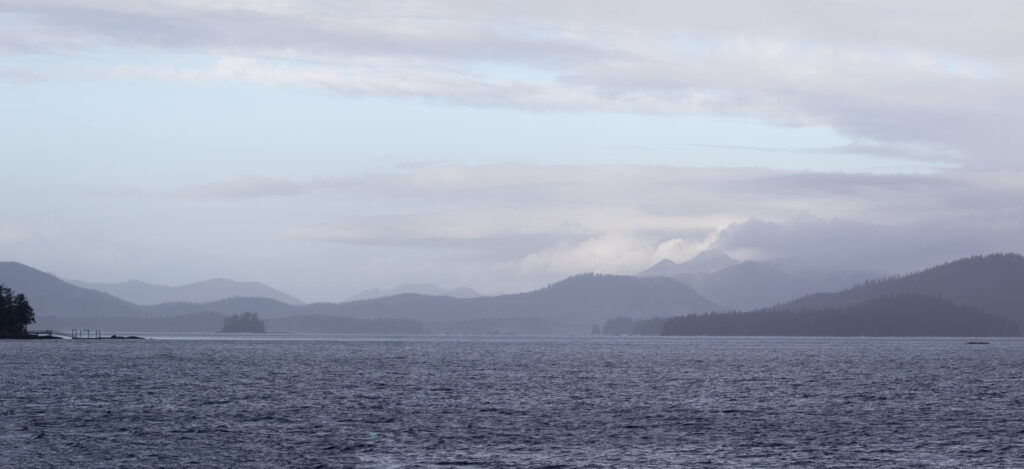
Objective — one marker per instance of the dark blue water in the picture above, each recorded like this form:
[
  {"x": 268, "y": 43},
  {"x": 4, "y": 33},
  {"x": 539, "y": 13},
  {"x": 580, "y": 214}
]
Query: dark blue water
[{"x": 512, "y": 402}]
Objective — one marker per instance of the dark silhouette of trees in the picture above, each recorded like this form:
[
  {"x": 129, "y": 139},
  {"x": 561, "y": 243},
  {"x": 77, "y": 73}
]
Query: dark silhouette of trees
[
  {"x": 245, "y": 322},
  {"x": 902, "y": 315},
  {"x": 992, "y": 283},
  {"x": 15, "y": 313}
]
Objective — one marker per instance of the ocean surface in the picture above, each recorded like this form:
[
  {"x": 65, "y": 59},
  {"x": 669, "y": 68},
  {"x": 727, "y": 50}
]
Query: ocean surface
[{"x": 510, "y": 402}]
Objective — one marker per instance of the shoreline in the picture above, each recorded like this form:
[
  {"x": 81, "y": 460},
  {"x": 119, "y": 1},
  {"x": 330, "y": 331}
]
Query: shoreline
[
  {"x": 29, "y": 337},
  {"x": 54, "y": 337}
]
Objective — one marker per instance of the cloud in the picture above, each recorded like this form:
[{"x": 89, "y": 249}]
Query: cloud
[
  {"x": 547, "y": 220},
  {"x": 494, "y": 224},
  {"x": 251, "y": 187},
  {"x": 534, "y": 224},
  {"x": 888, "y": 247},
  {"x": 893, "y": 151},
  {"x": 614, "y": 253},
  {"x": 520, "y": 198},
  {"x": 915, "y": 80}
]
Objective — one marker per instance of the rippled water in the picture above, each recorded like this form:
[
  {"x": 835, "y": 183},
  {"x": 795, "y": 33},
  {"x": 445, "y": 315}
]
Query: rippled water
[{"x": 512, "y": 402}]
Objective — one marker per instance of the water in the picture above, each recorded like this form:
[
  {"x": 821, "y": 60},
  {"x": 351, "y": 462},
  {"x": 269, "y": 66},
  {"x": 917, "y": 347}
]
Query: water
[{"x": 512, "y": 402}]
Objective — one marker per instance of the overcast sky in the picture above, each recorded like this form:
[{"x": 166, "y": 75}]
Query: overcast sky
[{"x": 327, "y": 147}]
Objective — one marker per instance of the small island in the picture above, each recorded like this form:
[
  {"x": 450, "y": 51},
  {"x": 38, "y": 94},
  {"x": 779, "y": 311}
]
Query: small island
[{"x": 245, "y": 322}]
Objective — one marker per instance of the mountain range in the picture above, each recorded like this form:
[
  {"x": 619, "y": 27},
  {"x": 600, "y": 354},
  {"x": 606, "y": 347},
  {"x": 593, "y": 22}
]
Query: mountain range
[
  {"x": 977, "y": 287},
  {"x": 976, "y": 296},
  {"x": 199, "y": 292},
  {"x": 572, "y": 305},
  {"x": 705, "y": 262},
  {"x": 748, "y": 285},
  {"x": 569, "y": 306},
  {"x": 751, "y": 285},
  {"x": 992, "y": 283},
  {"x": 50, "y": 295},
  {"x": 417, "y": 288}
]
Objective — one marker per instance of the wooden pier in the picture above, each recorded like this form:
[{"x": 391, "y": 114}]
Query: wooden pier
[
  {"x": 75, "y": 334},
  {"x": 86, "y": 334},
  {"x": 92, "y": 334},
  {"x": 46, "y": 333}
]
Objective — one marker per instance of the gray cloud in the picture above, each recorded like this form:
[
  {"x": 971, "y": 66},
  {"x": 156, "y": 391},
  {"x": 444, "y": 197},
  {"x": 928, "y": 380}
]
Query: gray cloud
[
  {"x": 555, "y": 220},
  {"x": 867, "y": 186},
  {"x": 501, "y": 225},
  {"x": 311, "y": 29},
  {"x": 659, "y": 190},
  {"x": 893, "y": 151},
  {"x": 895, "y": 248}
]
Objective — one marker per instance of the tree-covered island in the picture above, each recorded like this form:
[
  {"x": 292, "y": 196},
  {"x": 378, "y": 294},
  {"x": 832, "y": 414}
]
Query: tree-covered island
[{"x": 245, "y": 322}]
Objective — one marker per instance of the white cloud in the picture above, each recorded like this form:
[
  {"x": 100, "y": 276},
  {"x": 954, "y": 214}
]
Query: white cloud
[
  {"x": 613, "y": 253},
  {"x": 477, "y": 202},
  {"x": 548, "y": 220},
  {"x": 909, "y": 73}
]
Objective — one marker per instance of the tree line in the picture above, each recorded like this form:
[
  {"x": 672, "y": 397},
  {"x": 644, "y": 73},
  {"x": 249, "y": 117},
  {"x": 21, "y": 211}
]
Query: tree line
[
  {"x": 245, "y": 322},
  {"x": 902, "y": 315},
  {"x": 15, "y": 313},
  {"x": 906, "y": 315}
]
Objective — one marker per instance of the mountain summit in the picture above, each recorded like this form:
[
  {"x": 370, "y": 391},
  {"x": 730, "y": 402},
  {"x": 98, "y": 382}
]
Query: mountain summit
[
  {"x": 199, "y": 292},
  {"x": 759, "y": 284},
  {"x": 417, "y": 288},
  {"x": 705, "y": 262},
  {"x": 51, "y": 295},
  {"x": 992, "y": 283}
]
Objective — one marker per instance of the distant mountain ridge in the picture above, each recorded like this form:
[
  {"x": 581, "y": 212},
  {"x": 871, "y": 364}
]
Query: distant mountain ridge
[
  {"x": 707, "y": 261},
  {"x": 749, "y": 285},
  {"x": 759, "y": 284},
  {"x": 571, "y": 305},
  {"x": 417, "y": 288},
  {"x": 581, "y": 298},
  {"x": 50, "y": 295},
  {"x": 144, "y": 293},
  {"x": 979, "y": 285},
  {"x": 975, "y": 296},
  {"x": 267, "y": 307},
  {"x": 993, "y": 283}
]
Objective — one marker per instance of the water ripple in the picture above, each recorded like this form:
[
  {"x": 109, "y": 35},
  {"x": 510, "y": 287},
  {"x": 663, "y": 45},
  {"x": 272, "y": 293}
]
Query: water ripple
[{"x": 513, "y": 403}]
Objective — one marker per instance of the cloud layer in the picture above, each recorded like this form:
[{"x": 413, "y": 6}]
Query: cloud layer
[
  {"x": 920, "y": 73},
  {"x": 561, "y": 220}
]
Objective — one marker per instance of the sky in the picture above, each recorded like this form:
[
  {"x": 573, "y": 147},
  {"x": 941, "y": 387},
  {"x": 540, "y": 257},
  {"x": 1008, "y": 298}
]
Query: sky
[{"x": 325, "y": 148}]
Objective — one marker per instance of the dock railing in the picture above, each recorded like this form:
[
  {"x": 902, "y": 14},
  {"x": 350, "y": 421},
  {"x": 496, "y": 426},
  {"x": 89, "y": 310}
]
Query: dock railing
[{"x": 85, "y": 334}]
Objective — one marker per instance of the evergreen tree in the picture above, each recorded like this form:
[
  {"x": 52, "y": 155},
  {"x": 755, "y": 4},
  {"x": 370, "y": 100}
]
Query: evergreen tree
[
  {"x": 245, "y": 322},
  {"x": 15, "y": 313}
]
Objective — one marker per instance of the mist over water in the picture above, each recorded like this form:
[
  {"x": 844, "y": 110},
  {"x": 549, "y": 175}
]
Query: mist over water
[{"x": 512, "y": 402}]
